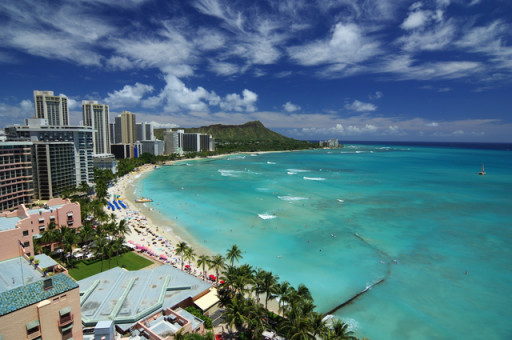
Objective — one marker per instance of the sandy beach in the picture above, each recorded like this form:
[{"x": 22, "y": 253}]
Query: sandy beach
[{"x": 147, "y": 228}]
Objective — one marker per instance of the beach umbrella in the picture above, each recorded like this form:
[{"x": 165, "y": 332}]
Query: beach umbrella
[
  {"x": 163, "y": 257},
  {"x": 187, "y": 266},
  {"x": 221, "y": 282},
  {"x": 130, "y": 241}
]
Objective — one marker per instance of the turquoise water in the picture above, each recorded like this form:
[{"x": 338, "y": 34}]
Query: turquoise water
[{"x": 297, "y": 214}]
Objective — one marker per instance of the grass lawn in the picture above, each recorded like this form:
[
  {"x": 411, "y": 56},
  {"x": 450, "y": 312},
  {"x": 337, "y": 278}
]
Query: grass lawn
[{"x": 130, "y": 260}]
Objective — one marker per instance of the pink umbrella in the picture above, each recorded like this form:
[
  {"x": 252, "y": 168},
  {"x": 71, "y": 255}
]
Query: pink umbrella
[
  {"x": 163, "y": 257},
  {"x": 130, "y": 241}
]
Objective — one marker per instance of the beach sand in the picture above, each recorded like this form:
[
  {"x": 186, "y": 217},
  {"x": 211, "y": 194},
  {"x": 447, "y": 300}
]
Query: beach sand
[{"x": 159, "y": 234}]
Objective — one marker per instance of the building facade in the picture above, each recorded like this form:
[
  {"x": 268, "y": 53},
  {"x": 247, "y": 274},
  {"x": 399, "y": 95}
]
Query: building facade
[
  {"x": 55, "y": 169},
  {"x": 51, "y": 107},
  {"x": 96, "y": 116},
  {"x": 52, "y": 143},
  {"x": 173, "y": 142},
  {"x": 154, "y": 147},
  {"x": 144, "y": 131},
  {"x": 23, "y": 224},
  {"x": 48, "y": 308},
  {"x": 16, "y": 183}
]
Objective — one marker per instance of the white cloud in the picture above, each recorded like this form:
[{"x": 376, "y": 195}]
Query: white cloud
[
  {"x": 290, "y": 107},
  {"x": 359, "y": 106},
  {"x": 415, "y": 20},
  {"x": 119, "y": 63},
  {"x": 347, "y": 45},
  {"x": 224, "y": 69},
  {"x": 27, "y": 107},
  {"x": 235, "y": 102},
  {"x": 433, "y": 124},
  {"x": 128, "y": 96},
  {"x": 175, "y": 96},
  {"x": 405, "y": 67},
  {"x": 376, "y": 95}
]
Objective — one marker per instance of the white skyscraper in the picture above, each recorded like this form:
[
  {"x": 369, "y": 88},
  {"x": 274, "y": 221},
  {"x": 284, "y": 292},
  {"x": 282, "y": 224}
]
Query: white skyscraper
[
  {"x": 96, "y": 115},
  {"x": 51, "y": 107}
]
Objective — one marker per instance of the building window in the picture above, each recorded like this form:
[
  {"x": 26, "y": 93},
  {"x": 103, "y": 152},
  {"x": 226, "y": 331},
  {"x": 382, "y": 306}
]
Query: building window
[
  {"x": 33, "y": 329},
  {"x": 26, "y": 244},
  {"x": 25, "y": 232}
]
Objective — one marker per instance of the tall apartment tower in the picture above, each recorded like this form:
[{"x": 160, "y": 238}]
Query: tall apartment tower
[
  {"x": 51, "y": 107},
  {"x": 144, "y": 131},
  {"x": 16, "y": 181},
  {"x": 127, "y": 127},
  {"x": 96, "y": 115}
]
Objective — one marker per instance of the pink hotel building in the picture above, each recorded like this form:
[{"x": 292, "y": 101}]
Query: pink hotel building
[{"x": 22, "y": 224}]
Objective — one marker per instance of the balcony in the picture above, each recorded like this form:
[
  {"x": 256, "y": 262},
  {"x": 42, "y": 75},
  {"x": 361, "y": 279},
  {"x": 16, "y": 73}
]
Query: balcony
[{"x": 66, "y": 320}]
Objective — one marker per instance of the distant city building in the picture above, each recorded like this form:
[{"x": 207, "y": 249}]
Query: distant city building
[
  {"x": 51, "y": 107},
  {"x": 62, "y": 155},
  {"x": 16, "y": 182},
  {"x": 96, "y": 116},
  {"x": 173, "y": 142},
  {"x": 105, "y": 161},
  {"x": 23, "y": 224},
  {"x": 144, "y": 131},
  {"x": 127, "y": 127},
  {"x": 120, "y": 150},
  {"x": 179, "y": 142},
  {"x": 154, "y": 147},
  {"x": 331, "y": 143}
]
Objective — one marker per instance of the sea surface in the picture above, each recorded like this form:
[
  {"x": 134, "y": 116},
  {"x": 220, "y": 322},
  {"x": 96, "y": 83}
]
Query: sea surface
[{"x": 418, "y": 217}]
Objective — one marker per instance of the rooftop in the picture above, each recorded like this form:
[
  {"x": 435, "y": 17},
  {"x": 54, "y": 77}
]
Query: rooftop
[
  {"x": 34, "y": 292},
  {"x": 8, "y": 223},
  {"x": 43, "y": 210},
  {"x": 16, "y": 272},
  {"x": 128, "y": 296}
]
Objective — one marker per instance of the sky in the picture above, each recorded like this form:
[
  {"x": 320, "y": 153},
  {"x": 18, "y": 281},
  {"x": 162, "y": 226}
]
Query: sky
[{"x": 378, "y": 70}]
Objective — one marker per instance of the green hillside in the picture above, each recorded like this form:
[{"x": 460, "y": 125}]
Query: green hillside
[
  {"x": 248, "y": 132},
  {"x": 251, "y": 136}
]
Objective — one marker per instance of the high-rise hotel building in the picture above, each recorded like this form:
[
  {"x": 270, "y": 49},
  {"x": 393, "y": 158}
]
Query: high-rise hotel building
[
  {"x": 96, "y": 115},
  {"x": 16, "y": 182},
  {"x": 51, "y": 107}
]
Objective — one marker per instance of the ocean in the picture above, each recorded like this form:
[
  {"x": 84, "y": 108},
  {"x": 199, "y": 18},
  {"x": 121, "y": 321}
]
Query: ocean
[{"x": 416, "y": 217}]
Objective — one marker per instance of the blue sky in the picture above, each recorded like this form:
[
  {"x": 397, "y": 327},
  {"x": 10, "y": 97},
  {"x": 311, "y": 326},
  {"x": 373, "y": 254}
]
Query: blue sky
[{"x": 438, "y": 70}]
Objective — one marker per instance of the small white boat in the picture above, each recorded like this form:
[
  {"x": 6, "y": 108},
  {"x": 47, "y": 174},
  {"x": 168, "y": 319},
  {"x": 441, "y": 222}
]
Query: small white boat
[
  {"x": 143, "y": 200},
  {"x": 482, "y": 172}
]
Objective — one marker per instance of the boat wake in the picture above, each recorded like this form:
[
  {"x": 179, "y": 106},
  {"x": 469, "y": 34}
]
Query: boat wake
[
  {"x": 292, "y": 198},
  {"x": 314, "y": 178},
  {"x": 267, "y": 216}
]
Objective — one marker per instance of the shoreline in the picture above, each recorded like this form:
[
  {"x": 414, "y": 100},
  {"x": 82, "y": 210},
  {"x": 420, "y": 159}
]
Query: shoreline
[{"x": 155, "y": 227}]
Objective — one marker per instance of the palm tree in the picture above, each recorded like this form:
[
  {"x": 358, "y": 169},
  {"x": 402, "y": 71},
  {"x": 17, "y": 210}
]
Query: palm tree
[
  {"x": 339, "y": 330},
  {"x": 236, "y": 313},
  {"x": 180, "y": 250},
  {"x": 269, "y": 287},
  {"x": 203, "y": 261},
  {"x": 118, "y": 245},
  {"x": 68, "y": 239},
  {"x": 297, "y": 325},
  {"x": 217, "y": 263},
  {"x": 100, "y": 247},
  {"x": 189, "y": 254},
  {"x": 234, "y": 254},
  {"x": 318, "y": 325},
  {"x": 283, "y": 289},
  {"x": 50, "y": 235}
]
